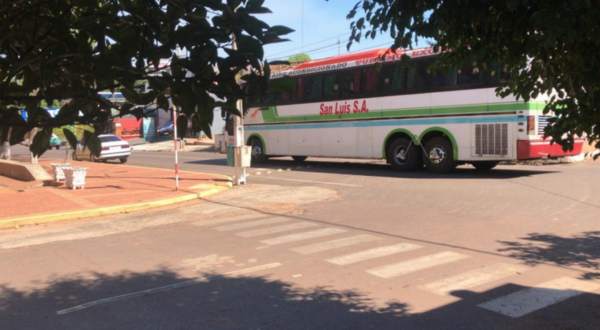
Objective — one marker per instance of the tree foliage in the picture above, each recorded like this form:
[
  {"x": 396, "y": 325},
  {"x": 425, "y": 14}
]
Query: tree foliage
[
  {"x": 299, "y": 58},
  {"x": 70, "y": 50},
  {"x": 551, "y": 46}
]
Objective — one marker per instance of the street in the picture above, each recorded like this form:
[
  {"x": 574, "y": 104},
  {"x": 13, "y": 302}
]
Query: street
[{"x": 323, "y": 244}]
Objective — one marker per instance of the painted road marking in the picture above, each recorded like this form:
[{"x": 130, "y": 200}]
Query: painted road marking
[
  {"x": 302, "y": 236},
  {"x": 275, "y": 230},
  {"x": 253, "y": 224},
  {"x": 373, "y": 253},
  {"x": 472, "y": 278},
  {"x": 417, "y": 264},
  {"x": 529, "y": 300},
  {"x": 335, "y": 244},
  {"x": 198, "y": 280},
  {"x": 310, "y": 181},
  {"x": 226, "y": 220}
]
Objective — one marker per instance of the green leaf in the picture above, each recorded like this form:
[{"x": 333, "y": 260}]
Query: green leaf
[
  {"x": 94, "y": 145},
  {"x": 207, "y": 130},
  {"x": 71, "y": 138},
  {"x": 281, "y": 30},
  {"x": 182, "y": 126},
  {"x": 41, "y": 142}
]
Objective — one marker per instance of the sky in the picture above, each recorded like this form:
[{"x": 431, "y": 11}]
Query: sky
[{"x": 318, "y": 32}]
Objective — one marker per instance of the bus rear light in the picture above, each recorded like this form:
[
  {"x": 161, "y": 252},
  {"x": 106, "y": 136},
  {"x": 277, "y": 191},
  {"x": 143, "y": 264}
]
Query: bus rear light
[{"x": 531, "y": 125}]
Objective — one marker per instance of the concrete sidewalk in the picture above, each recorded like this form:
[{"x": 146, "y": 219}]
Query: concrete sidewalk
[
  {"x": 110, "y": 188},
  {"x": 191, "y": 145}
]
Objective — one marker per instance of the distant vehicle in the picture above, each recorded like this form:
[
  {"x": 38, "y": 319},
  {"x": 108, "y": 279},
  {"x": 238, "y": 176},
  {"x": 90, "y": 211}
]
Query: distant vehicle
[
  {"x": 54, "y": 142},
  {"x": 112, "y": 148},
  {"x": 166, "y": 129}
]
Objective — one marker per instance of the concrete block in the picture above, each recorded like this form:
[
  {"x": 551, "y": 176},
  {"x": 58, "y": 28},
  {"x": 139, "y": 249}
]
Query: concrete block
[{"x": 23, "y": 172}]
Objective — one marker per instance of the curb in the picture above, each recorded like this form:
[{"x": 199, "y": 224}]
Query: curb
[{"x": 47, "y": 218}]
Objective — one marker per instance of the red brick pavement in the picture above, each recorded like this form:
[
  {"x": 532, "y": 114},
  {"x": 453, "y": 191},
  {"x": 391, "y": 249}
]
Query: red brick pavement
[{"x": 107, "y": 185}]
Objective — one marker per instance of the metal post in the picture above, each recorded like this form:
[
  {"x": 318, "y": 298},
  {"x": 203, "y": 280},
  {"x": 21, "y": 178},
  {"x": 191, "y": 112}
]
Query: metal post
[
  {"x": 238, "y": 126},
  {"x": 176, "y": 148}
]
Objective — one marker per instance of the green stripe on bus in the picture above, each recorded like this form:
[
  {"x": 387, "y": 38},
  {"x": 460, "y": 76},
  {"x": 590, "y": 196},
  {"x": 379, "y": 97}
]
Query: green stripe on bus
[{"x": 271, "y": 115}]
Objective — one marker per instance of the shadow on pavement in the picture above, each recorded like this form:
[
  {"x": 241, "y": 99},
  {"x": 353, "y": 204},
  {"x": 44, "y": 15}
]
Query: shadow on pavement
[
  {"x": 581, "y": 250},
  {"x": 379, "y": 169},
  {"x": 256, "y": 303}
]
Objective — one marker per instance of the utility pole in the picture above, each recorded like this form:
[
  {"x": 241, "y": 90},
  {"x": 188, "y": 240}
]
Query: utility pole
[
  {"x": 302, "y": 26},
  {"x": 238, "y": 133},
  {"x": 176, "y": 147}
]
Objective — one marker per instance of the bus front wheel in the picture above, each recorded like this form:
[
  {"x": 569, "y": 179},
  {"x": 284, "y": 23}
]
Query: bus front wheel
[
  {"x": 438, "y": 157},
  {"x": 258, "y": 152},
  {"x": 404, "y": 156},
  {"x": 299, "y": 159}
]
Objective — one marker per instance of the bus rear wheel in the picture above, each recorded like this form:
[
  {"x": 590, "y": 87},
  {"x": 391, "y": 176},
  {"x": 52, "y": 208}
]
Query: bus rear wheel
[
  {"x": 438, "y": 157},
  {"x": 404, "y": 156},
  {"x": 258, "y": 151},
  {"x": 485, "y": 165},
  {"x": 299, "y": 159}
]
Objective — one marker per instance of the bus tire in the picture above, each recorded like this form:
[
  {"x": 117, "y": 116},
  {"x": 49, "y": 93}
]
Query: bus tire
[
  {"x": 258, "y": 151},
  {"x": 485, "y": 165},
  {"x": 404, "y": 156},
  {"x": 299, "y": 159},
  {"x": 439, "y": 155}
]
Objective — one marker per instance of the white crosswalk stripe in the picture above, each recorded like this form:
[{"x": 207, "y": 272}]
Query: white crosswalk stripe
[
  {"x": 472, "y": 278},
  {"x": 529, "y": 300},
  {"x": 277, "y": 229},
  {"x": 253, "y": 224},
  {"x": 302, "y": 236},
  {"x": 373, "y": 253},
  {"x": 227, "y": 220},
  {"x": 414, "y": 265},
  {"x": 335, "y": 244}
]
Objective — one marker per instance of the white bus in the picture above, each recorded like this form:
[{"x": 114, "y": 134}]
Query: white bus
[{"x": 366, "y": 105}]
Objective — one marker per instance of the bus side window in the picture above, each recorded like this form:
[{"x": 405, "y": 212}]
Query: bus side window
[
  {"x": 369, "y": 79},
  {"x": 289, "y": 96},
  {"x": 498, "y": 72},
  {"x": 391, "y": 77},
  {"x": 444, "y": 77},
  {"x": 348, "y": 82},
  {"x": 469, "y": 74},
  {"x": 314, "y": 87},
  {"x": 330, "y": 86},
  {"x": 422, "y": 78},
  {"x": 411, "y": 74},
  {"x": 300, "y": 89}
]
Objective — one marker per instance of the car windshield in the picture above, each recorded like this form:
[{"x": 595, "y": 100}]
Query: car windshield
[{"x": 109, "y": 138}]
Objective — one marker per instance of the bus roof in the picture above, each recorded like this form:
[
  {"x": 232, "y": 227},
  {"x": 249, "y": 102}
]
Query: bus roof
[
  {"x": 352, "y": 60},
  {"x": 369, "y": 54}
]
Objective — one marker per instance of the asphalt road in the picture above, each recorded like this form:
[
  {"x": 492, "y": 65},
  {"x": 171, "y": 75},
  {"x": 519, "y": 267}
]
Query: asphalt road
[{"x": 326, "y": 244}]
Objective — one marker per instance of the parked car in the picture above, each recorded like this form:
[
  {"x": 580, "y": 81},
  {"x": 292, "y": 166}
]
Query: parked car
[
  {"x": 112, "y": 148},
  {"x": 54, "y": 142},
  {"x": 166, "y": 129}
]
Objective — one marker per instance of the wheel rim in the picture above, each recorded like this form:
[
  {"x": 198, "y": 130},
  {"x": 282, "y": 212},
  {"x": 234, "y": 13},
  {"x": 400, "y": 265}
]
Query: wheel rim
[
  {"x": 256, "y": 148},
  {"x": 256, "y": 151},
  {"x": 437, "y": 155},
  {"x": 401, "y": 155}
]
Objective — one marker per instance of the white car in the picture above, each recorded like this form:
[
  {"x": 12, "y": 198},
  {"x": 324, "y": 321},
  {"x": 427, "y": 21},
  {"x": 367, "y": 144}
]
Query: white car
[{"x": 112, "y": 148}]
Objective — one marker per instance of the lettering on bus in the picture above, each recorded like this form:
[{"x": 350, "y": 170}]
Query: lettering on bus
[{"x": 345, "y": 108}]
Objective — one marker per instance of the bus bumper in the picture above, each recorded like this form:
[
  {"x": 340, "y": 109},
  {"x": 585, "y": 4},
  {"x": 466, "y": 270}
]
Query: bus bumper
[{"x": 532, "y": 149}]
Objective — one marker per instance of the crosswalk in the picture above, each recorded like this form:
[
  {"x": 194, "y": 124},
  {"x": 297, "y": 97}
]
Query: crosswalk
[{"x": 293, "y": 234}]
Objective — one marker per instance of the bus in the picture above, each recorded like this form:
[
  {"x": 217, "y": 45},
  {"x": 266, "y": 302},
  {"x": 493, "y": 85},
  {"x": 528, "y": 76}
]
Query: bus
[{"x": 371, "y": 105}]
